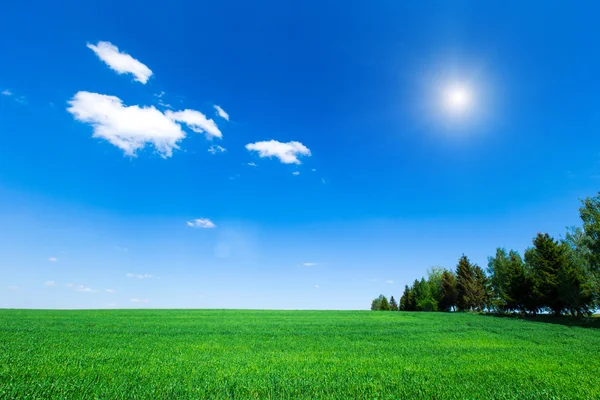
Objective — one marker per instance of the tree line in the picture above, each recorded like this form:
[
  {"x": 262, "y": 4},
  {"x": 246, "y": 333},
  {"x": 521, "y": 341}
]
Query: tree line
[{"x": 558, "y": 276}]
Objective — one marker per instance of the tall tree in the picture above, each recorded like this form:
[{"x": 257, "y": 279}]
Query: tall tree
[
  {"x": 384, "y": 305},
  {"x": 376, "y": 304},
  {"x": 393, "y": 304},
  {"x": 415, "y": 292},
  {"x": 590, "y": 215},
  {"x": 465, "y": 283},
  {"x": 434, "y": 280},
  {"x": 481, "y": 292},
  {"x": 449, "y": 292},
  {"x": 425, "y": 300},
  {"x": 498, "y": 270},
  {"x": 546, "y": 259},
  {"x": 406, "y": 299}
]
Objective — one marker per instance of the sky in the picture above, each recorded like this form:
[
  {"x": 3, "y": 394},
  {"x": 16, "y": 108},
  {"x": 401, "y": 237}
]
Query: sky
[{"x": 283, "y": 155}]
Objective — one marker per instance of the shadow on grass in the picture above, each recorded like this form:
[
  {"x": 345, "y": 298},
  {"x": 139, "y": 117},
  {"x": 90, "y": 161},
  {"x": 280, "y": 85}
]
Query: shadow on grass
[{"x": 584, "y": 322}]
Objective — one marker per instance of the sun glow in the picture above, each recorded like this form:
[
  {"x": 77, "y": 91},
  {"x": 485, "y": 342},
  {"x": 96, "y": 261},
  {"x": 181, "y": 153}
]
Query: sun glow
[{"x": 457, "y": 99}]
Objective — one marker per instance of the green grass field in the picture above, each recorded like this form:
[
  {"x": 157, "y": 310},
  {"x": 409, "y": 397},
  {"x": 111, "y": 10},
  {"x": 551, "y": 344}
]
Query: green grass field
[{"x": 169, "y": 354}]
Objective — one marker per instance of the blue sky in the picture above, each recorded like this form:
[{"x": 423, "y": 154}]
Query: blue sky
[{"x": 347, "y": 169}]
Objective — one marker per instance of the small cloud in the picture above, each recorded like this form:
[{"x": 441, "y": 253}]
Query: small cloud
[
  {"x": 165, "y": 105},
  {"x": 252, "y": 164},
  {"x": 7, "y": 92},
  {"x": 120, "y": 62},
  {"x": 314, "y": 170},
  {"x": 69, "y": 285},
  {"x": 139, "y": 276},
  {"x": 323, "y": 181},
  {"x": 124, "y": 249},
  {"x": 390, "y": 281},
  {"x": 216, "y": 149},
  {"x": 139, "y": 301},
  {"x": 52, "y": 259},
  {"x": 287, "y": 153},
  {"x": 161, "y": 94},
  {"x": 296, "y": 173},
  {"x": 13, "y": 287},
  {"x": 49, "y": 283},
  {"x": 221, "y": 112},
  {"x": 201, "y": 223},
  {"x": 84, "y": 289},
  {"x": 317, "y": 286},
  {"x": 310, "y": 264},
  {"x": 196, "y": 121},
  {"x": 110, "y": 290}
]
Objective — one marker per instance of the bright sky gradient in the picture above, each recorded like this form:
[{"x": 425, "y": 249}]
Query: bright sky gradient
[{"x": 267, "y": 155}]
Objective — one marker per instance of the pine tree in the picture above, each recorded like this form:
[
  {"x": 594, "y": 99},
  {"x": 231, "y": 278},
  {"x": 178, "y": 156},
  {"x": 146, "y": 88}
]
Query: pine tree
[
  {"x": 465, "y": 282},
  {"x": 384, "y": 305},
  {"x": 449, "y": 292},
  {"x": 481, "y": 293},
  {"x": 393, "y": 304},
  {"x": 405, "y": 300}
]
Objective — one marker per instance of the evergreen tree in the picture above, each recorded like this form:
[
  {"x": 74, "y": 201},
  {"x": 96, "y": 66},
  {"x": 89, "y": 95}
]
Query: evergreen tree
[
  {"x": 415, "y": 294},
  {"x": 546, "y": 259},
  {"x": 393, "y": 304},
  {"x": 405, "y": 300},
  {"x": 384, "y": 305},
  {"x": 465, "y": 283},
  {"x": 590, "y": 215},
  {"x": 376, "y": 304},
  {"x": 481, "y": 291},
  {"x": 449, "y": 293},
  {"x": 425, "y": 300}
]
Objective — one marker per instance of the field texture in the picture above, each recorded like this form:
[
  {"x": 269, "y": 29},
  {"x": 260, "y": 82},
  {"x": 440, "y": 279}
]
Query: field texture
[{"x": 173, "y": 354}]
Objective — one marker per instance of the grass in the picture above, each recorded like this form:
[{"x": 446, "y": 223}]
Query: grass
[{"x": 169, "y": 354}]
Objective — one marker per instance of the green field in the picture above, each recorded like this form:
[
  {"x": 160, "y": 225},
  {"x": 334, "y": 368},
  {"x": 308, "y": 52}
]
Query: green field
[{"x": 168, "y": 354}]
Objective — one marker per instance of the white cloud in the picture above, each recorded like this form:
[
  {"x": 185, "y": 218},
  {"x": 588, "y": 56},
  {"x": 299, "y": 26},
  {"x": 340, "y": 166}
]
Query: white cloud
[
  {"x": 52, "y": 259},
  {"x": 82, "y": 288},
  {"x": 201, "y": 223},
  {"x": 161, "y": 94},
  {"x": 196, "y": 121},
  {"x": 120, "y": 62},
  {"x": 317, "y": 286},
  {"x": 221, "y": 113},
  {"x": 139, "y": 276},
  {"x": 296, "y": 173},
  {"x": 310, "y": 264},
  {"x": 13, "y": 287},
  {"x": 110, "y": 290},
  {"x": 314, "y": 170},
  {"x": 49, "y": 283},
  {"x": 130, "y": 128},
  {"x": 286, "y": 152},
  {"x": 323, "y": 181},
  {"x": 390, "y": 281},
  {"x": 139, "y": 300},
  {"x": 252, "y": 164},
  {"x": 69, "y": 285},
  {"x": 216, "y": 149},
  {"x": 7, "y": 92}
]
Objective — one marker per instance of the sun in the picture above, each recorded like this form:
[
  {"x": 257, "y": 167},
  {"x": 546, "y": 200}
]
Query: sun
[{"x": 457, "y": 99}]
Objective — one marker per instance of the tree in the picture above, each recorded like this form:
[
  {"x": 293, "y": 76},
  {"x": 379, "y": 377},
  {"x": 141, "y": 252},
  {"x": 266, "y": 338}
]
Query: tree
[
  {"x": 577, "y": 285},
  {"x": 465, "y": 284},
  {"x": 376, "y": 304},
  {"x": 393, "y": 304},
  {"x": 406, "y": 299},
  {"x": 546, "y": 259},
  {"x": 590, "y": 215},
  {"x": 498, "y": 270},
  {"x": 384, "y": 305},
  {"x": 415, "y": 292},
  {"x": 481, "y": 292},
  {"x": 449, "y": 292},
  {"x": 434, "y": 280}
]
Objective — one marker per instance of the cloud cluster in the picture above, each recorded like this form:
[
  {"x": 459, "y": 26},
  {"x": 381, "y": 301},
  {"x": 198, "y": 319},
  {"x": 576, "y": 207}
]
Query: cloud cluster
[
  {"x": 216, "y": 149},
  {"x": 121, "y": 62},
  {"x": 52, "y": 259},
  {"x": 128, "y": 127},
  {"x": 201, "y": 223},
  {"x": 287, "y": 153}
]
